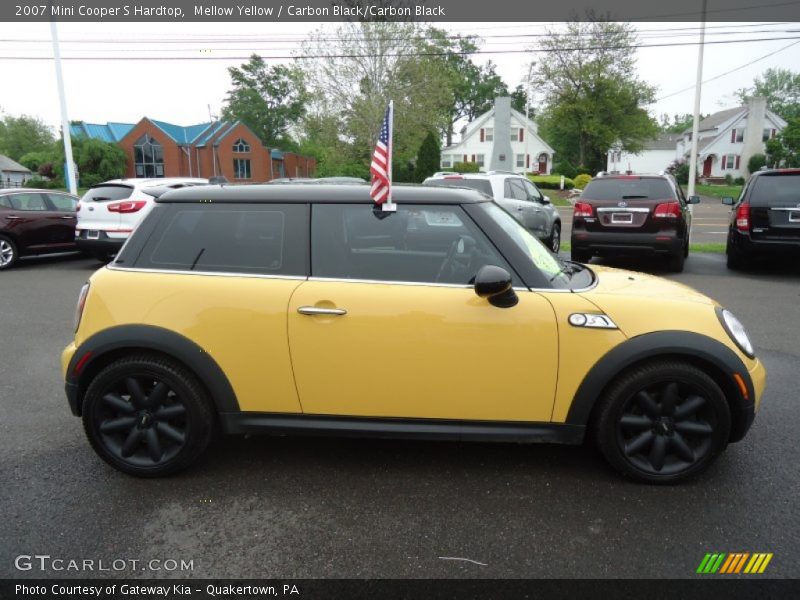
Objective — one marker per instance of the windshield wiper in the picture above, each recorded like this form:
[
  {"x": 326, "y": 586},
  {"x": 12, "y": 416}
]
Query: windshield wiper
[{"x": 568, "y": 268}]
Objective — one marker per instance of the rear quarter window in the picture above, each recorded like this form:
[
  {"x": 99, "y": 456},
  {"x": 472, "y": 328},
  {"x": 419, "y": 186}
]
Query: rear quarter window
[
  {"x": 265, "y": 239},
  {"x": 628, "y": 189},
  {"x": 775, "y": 190}
]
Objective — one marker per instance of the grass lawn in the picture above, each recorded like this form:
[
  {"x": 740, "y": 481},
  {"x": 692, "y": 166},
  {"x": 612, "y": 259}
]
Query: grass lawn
[
  {"x": 707, "y": 247},
  {"x": 556, "y": 198},
  {"x": 717, "y": 191}
]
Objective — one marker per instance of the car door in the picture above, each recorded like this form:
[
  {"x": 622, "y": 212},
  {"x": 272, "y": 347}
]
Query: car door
[
  {"x": 513, "y": 201},
  {"x": 540, "y": 217},
  {"x": 64, "y": 217},
  {"x": 389, "y": 326},
  {"x": 31, "y": 220}
]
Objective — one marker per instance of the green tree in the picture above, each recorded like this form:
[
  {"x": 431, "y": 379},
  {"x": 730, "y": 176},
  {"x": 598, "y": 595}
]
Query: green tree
[
  {"x": 756, "y": 162},
  {"x": 784, "y": 150},
  {"x": 98, "y": 161},
  {"x": 519, "y": 100},
  {"x": 22, "y": 135},
  {"x": 590, "y": 93},
  {"x": 429, "y": 157},
  {"x": 678, "y": 123},
  {"x": 269, "y": 100},
  {"x": 781, "y": 88}
]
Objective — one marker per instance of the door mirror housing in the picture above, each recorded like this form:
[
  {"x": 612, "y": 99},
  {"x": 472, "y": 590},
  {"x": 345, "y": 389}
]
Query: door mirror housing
[
  {"x": 494, "y": 284},
  {"x": 693, "y": 199},
  {"x": 545, "y": 200},
  {"x": 728, "y": 201}
]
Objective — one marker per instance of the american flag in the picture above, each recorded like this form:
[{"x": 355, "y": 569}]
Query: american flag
[{"x": 381, "y": 167}]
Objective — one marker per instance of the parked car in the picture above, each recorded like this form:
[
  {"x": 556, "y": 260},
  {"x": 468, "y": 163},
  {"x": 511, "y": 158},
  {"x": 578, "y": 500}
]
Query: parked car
[
  {"x": 765, "y": 220},
  {"x": 110, "y": 211},
  {"x": 306, "y": 310},
  {"x": 35, "y": 221},
  {"x": 620, "y": 215},
  {"x": 517, "y": 194}
]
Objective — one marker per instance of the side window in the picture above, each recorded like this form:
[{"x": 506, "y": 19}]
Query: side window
[
  {"x": 267, "y": 239},
  {"x": 62, "y": 202},
  {"x": 418, "y": 243},
  {"x": 518, "y": 192},
  {"x": 32, "y": 202},
  {"x": 507, "y": 191},
  {"x": 5, "y": 202},
  {"x": 531, "y": 190}
]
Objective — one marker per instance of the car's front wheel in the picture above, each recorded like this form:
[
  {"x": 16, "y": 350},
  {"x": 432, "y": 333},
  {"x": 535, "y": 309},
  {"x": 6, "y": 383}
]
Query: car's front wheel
[
  {"x": 147, "y": 416},
  {"x": 555, "y": 238},
  {"x": 580, "y": 256},
  {"x": 8, "y": 252},
  {"x": 662, "y": 422}
]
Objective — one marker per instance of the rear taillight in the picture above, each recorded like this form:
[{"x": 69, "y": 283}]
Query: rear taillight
[
  {"x": 81, "y": 304},
  {"x": 668, "y": 210},
  {"x": 127, "y": 207},
  {"x": 582, "y": 209},
  {"x": 78, "y": 207},
  {"x": 743, "y": 217}
]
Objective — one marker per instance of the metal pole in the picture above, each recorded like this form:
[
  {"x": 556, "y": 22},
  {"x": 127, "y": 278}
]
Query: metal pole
[
  {"x": 525, "y": 160},
  {"x": 70, "y": 166},
  {"x": 697, "y": 89}
]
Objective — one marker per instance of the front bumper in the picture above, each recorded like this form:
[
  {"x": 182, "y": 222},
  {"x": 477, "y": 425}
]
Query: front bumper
[
  {"x": 70, "y": 383},
  {"x": 602, "y": 242}
]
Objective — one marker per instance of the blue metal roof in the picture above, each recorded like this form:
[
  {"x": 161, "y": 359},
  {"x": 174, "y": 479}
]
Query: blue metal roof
[
  {"x": 110, "y": 132},
  {"x": 212, "y": 132}
]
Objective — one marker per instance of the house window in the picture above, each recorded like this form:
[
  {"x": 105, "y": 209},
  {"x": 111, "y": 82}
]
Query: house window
[
  {"x": 515, "y": 135},
  {"x": 148, "y": 157},
  {"x": 729, "y": 162},
  {"x": 488, "y": 134},
  {"x": 737, "y": 135},
  {"x": 479, "y": 158},
  {"x": 241, "y": 146},
  {"x": 521, "y": 160},
  {"x": 446, "y": 161},
  {"x": 241, "y": 168}
]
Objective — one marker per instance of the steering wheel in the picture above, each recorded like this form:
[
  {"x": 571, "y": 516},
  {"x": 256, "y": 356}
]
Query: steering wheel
[{"x": 463, "y": 245}]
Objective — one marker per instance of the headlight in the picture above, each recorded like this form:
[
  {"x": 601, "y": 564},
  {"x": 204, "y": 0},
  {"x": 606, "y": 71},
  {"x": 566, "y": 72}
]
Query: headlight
[{"x": 737, "y": 332}]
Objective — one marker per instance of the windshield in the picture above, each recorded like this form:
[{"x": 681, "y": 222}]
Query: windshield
[
  {"x": 636, "y": 188},
  {"x": 482, "y": 185},
  {"x": 557, "y": 271},
  {"x": 106, "y": 193}
]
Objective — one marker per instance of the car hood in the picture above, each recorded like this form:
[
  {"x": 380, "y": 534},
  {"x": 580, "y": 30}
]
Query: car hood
[{"x": 621, "y": 283}]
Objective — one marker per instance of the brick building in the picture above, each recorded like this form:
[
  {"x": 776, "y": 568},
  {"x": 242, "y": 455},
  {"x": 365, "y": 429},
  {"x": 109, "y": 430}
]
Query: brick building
[{"x": 219, "y": 148}]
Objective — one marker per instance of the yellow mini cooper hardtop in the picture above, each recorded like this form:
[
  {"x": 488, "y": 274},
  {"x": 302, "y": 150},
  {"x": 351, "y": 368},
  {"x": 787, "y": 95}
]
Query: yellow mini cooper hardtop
[{"x": 306, "y": 310}]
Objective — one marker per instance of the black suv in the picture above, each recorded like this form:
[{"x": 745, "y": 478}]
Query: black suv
[
  {"x": 766, "y": 218},
  {"x": 630, "y": 215}
]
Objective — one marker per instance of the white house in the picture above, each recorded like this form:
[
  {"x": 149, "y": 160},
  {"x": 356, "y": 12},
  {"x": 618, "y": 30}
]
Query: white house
[
  {"x": 501, "y": 139},
  {"x": 12, "y": 174},
  {"x": 726, "y": 141}
]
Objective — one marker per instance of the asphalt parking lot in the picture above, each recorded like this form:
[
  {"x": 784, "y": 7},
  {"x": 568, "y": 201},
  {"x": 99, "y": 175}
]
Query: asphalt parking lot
[
  {"x": 710, "y": 221},
  {"x": 303, "y": 507}
]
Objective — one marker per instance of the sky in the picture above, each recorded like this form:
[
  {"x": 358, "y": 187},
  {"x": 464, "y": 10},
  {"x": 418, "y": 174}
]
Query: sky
[{"x": 182, "y": 91}]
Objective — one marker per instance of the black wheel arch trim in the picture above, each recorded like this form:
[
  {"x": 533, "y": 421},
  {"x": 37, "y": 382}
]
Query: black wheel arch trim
[
  {"x": 143, "y": 338},
  {"x": 680, "y": 344}
]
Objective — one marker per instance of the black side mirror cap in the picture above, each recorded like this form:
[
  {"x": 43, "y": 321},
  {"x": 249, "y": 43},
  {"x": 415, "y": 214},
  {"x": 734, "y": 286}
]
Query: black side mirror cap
[
  {"x": 728, "y": 201},
  {"x": 693, "y": 199},
  {"x": 494, "y": 284}
]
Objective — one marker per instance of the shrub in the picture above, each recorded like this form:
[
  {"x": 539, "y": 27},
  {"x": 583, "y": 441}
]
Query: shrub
[
  {"x": 680, "y": 170},
  {"x": 428, "y": 158},
  {"x": 739, "y": 181},
  {"x": 728, "y": 179},
  {"x": 551, "y": 182},
  {"x": 466, "y": 167},
  {"x": 582, "y": 170},
  {"x": 582, "y": 180},
  {"x": 564, "y": 168},
  {"x": 756, "y": 162}
]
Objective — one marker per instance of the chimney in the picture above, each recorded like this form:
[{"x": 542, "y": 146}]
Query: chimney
[
  {"x": 502, "y": 158},
  {"x": 756, "y": 118}
]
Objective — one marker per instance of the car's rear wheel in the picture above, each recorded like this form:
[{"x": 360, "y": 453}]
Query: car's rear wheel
[
  {"x": 8, "y": 252},
  {"x": 662, "y": 422},
  {"x": 555, "y": 238},
  {"x": 676, "y": 261},
  {"x": 580, "y": 256},
  {"x": 147, "y": 416},
  {"x": 735, "y": 258}
]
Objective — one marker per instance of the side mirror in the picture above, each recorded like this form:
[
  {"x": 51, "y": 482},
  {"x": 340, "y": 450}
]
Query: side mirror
[
  {"x": 494, "y": 284},
  {"x": 728, "y": 201},
  {"x": 545, "y": 200},
  {"x": 693, "y": 199}
]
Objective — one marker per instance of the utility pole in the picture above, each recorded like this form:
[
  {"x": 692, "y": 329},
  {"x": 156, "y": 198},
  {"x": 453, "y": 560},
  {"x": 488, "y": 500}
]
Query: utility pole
[
  {"x": 70, "y": 166},
  {"x": 697, "y": 89},
  {"x": 526, "y": 161}
]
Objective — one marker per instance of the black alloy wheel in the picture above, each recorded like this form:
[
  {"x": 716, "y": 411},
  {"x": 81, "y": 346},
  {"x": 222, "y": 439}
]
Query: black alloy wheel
[
  {"x": 663, "y": 422},
  {"x": 147, "y": 416},
  {"x": 555, "y": 238}
]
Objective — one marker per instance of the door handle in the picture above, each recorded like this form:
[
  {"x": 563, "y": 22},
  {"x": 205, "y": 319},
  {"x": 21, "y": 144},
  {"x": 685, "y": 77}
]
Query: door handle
[
  {"x": 67, "y": 217},
  {"x": 13, "y": 217},
  {"x": 313, "y": 310}
]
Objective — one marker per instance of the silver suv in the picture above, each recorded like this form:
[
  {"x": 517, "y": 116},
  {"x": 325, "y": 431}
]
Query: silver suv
[{"x": 517, "y": 195}]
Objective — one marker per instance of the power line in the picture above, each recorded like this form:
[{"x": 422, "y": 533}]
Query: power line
[
  {"x": 394, "y": 55},
  {"x": 740, "y": 67}
]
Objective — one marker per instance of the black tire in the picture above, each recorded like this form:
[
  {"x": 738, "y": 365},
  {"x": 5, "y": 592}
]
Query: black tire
[
  {"x": 735, "y": 258},
  {"x": 675, "y": 262},
  {"x": 8, "y": 252},
  {"x": 147, "y": 416},
  {"x": 580, "y": 256},
  {"x": 104, "y": 257},
  {"x": 662, "y": 422},
  {"x": 554, "y": 242}
]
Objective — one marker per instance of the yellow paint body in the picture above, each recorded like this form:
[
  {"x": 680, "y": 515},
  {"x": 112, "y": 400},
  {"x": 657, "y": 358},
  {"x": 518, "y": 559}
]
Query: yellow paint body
[{"x": 401, "y": 350}]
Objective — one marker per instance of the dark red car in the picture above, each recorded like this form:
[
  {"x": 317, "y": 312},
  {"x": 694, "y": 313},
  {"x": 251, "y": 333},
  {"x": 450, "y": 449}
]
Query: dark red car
[
  {"x": 632, "y": 215},
  {"x": 35, "y": 222}
]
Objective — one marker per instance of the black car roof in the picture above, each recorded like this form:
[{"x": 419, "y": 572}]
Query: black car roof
[{"x": 321, "y": 193}]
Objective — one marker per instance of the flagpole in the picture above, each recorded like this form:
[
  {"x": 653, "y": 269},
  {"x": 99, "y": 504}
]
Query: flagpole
[{"x": 389, "y": 205}]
